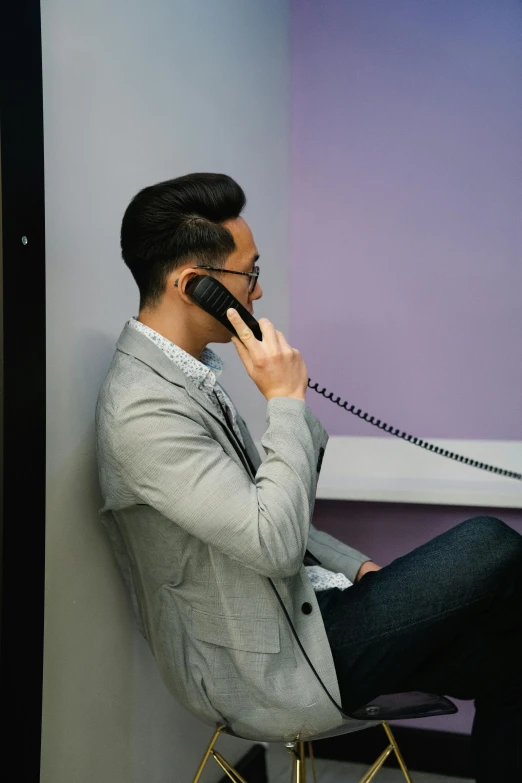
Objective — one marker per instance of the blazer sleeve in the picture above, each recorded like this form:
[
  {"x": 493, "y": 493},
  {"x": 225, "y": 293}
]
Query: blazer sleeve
[
  {"x": 334, "y": 554},
  {"x": 171, "y": 462}
]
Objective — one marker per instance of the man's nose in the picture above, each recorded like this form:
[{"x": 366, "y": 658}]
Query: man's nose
[{"x": 257, "y": 293}]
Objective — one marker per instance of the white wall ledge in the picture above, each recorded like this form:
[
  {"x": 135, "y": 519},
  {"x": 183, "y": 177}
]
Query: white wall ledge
[{"x": 390, "y": 470}]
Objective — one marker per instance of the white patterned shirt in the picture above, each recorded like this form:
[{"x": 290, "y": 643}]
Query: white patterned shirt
[{"x": 206, "y": 370}]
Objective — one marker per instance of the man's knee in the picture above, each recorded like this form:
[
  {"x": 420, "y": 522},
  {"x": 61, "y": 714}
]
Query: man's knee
[{"x": 495, "y": 539}]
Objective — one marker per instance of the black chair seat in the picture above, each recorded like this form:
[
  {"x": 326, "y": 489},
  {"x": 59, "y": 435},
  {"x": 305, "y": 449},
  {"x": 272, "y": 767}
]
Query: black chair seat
[{"x": 411, "y": 704}]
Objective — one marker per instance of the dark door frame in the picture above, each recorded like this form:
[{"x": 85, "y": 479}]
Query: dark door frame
[{"x": 22, "y": 379}]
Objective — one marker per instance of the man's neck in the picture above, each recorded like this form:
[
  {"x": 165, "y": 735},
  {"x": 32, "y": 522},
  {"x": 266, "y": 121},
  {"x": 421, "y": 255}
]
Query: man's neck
[{"x": 177, "y": 332}]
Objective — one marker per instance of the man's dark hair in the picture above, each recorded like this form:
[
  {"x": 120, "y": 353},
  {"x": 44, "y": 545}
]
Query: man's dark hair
[{"x": 171, "y": 222}]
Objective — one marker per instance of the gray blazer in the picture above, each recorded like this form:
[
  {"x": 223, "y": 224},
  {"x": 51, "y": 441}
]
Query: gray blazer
[{"x": 196, "y": 534}]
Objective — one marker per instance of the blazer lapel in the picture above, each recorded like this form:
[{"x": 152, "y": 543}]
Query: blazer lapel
[{"x": 141, "y": 347}]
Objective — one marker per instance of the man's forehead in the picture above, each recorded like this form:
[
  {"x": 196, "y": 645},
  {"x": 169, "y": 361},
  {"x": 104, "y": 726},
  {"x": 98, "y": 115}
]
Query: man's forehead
[
  {"x": 246, "y": 248},
  {"x": 239, "y": 229}
]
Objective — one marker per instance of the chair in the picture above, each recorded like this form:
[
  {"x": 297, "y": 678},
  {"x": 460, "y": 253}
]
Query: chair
[{"x": 413, "y": 704}]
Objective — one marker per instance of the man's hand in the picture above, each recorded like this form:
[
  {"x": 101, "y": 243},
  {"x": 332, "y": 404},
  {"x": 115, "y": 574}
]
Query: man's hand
[
  {"x": 368, "y": 565},
  {"x": 277, "y": 369}
]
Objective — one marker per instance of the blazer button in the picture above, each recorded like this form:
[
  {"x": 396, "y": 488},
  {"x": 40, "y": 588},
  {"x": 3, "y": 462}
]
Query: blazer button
[{"x": 306, "y": 608}]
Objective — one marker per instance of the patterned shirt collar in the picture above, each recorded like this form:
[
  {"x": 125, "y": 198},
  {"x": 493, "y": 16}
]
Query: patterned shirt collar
[{"x": 205, "y": 370}]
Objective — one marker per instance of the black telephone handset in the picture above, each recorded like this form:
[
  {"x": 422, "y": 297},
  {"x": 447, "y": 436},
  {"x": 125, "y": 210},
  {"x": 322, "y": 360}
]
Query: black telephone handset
[{"x": 213, "y": 297}]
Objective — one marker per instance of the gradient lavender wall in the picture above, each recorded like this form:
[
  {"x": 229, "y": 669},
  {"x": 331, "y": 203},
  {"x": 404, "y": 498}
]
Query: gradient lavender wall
[
  {"x": 406, "y": 290},
  {"x": 406, "y": 276}
]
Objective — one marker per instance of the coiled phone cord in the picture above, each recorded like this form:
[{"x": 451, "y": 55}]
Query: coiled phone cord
[{"x": 411, "y": 439}]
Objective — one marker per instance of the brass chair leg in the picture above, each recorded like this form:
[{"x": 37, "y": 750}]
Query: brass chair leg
[
  {"x": 297, "y": 751},
  {"x": 395, "y": 747},
  {"x": 296, "y": 774},
  {"x": 370, "y": 774},
  {"x": 207, "y": 753},
  {"x": 298, "y": 771},
  {"x": 229, "y": 771},
  {"x": 392, "y": 748},
  {"x": 302, "y": 759},
  {"x": 232, "y": 773}
]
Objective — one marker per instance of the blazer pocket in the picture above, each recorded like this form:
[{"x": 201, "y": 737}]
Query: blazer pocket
[{"x": 251, "y": 634}]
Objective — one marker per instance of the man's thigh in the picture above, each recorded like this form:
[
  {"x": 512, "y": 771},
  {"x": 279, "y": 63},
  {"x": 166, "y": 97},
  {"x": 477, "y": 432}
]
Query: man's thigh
[{"x": 423, "y": 613}]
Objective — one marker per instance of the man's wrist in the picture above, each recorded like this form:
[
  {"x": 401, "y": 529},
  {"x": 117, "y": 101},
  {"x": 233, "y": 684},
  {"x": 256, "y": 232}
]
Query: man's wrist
[{"x": 365, "y": 567}]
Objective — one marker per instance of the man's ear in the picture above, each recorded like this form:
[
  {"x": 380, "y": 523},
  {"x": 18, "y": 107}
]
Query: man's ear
[{"x": 180, "y": 279}]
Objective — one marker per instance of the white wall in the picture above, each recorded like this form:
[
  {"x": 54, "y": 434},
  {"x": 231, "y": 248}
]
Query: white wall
[{"x": 135, "y": 93}]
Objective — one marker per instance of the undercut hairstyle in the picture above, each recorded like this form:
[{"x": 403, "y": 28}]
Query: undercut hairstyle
[{"x": 170, "y": 223}]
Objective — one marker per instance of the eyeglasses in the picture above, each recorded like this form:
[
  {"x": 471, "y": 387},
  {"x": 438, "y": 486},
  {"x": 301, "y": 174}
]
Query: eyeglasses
[{"x": 252, "y": 275}]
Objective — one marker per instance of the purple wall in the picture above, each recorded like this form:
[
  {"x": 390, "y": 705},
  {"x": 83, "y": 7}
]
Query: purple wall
[{"x": 406, "y": 283}]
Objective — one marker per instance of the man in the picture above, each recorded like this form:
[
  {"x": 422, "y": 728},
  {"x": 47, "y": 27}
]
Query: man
[{"x": 211, "y": 539}]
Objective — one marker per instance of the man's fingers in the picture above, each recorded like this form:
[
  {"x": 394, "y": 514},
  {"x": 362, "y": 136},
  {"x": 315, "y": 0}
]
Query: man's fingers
[
  {"x": 270, "y": 337},
  {"x": 243, "y": 331}
]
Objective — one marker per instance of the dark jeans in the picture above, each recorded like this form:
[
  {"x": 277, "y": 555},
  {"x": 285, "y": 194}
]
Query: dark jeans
[{"x": 445, "y": 618}]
